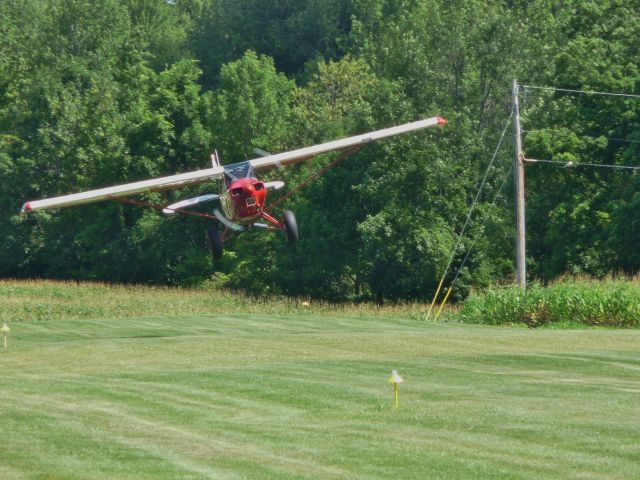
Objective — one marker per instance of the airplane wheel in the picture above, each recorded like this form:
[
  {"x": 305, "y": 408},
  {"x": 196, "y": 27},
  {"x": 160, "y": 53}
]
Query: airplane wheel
[
  {"x": 214, "y": 242},
  {"x": 290, "y": 226}
]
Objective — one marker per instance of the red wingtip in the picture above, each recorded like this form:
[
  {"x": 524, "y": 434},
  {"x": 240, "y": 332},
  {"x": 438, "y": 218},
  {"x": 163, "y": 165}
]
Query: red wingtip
[
  {"x": 441, "y": 121},
  {"x": 26, "y": 207}
]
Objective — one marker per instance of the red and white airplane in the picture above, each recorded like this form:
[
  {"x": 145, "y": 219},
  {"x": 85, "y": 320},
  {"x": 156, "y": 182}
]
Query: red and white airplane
[{"x": 242, "y": 197}]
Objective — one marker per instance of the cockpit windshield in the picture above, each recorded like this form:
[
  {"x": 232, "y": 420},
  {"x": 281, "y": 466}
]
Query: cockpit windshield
[{"x": 235, "y": 171}]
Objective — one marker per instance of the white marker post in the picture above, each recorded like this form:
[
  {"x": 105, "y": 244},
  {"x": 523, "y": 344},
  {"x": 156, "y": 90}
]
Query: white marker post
[
  {"x": 5, "y": 334},
  {"x": 396, "y": 380}
]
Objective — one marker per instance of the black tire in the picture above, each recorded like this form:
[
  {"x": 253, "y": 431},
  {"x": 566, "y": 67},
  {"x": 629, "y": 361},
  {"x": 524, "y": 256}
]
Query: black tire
[
  {"x": 214, "y": 242},
  {"x": 290, "y": 226}
]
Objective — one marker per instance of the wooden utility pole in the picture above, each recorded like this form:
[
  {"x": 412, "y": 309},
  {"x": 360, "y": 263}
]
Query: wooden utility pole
[{"x": 518, "y": 184}]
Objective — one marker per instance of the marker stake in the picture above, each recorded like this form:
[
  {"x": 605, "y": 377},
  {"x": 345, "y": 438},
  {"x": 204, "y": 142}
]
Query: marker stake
[
  {"x": 5, "y": 334},
  {"x": 396, "y": 380},
  {"x": 395, "y": 394}
]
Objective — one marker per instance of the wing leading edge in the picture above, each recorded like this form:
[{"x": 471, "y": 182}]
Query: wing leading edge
[
  {"x": 201, "y": 176},
  {"x": 281, "y": 159},
  {"x": 144, "y": 186}
]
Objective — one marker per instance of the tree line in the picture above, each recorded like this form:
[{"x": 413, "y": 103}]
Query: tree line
[{"x": 99, "y": 93}]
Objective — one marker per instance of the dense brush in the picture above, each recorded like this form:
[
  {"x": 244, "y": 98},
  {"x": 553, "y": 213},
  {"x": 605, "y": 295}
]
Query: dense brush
[{"x": 612, "y": 302}]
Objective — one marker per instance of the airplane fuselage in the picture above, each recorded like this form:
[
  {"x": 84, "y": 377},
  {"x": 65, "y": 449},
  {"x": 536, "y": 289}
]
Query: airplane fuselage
[{"x": 243, "y": 200}]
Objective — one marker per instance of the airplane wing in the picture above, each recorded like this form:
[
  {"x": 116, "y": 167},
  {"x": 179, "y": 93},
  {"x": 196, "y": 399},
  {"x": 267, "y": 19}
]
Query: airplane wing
[
  {"x": 281, "y": 159},
  {"x": 144, "y": 186},
  {"x": 201, "y": 176}
]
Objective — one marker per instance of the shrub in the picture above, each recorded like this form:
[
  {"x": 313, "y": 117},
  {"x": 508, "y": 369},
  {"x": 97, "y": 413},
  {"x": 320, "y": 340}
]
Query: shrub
[{"x": 612, "y": 303}]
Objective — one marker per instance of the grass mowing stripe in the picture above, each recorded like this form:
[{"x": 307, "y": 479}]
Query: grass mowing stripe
[
  {"x": 256, "y": 396},
  {"x": 135, "y": 432},
  {"x": 91, "y": 446}
]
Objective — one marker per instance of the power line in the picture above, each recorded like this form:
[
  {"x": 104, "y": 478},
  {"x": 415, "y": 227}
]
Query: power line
[
  {"x": 584, "y": 92},
  {"x": 582, "y": 164},
  {"x": 591, "y": 136}
]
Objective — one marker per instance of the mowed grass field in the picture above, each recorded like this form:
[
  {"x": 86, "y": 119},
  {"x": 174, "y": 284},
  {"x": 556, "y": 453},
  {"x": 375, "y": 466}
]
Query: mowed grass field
[{"x": 305, "y": 395}]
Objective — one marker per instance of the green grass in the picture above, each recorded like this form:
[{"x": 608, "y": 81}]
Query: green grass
[{"x": 304, "y": 395}]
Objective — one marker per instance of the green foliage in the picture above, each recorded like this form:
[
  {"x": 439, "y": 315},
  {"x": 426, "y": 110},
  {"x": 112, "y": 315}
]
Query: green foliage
[
  {"x": 251, "y": 108},
  {"x": 578, "y": 215},
  {"x": 611, "y": 303},
  {"x": 163, "y": 27},
  {"x": 292, "y": 32},
  {"x": 100, "y": 93},
  {"x": 93, "y": 114}
]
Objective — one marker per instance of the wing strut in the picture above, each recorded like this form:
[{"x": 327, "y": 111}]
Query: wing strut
[
  {"x": 345, "y": 153},
  {"x": 155, "y": 206}
]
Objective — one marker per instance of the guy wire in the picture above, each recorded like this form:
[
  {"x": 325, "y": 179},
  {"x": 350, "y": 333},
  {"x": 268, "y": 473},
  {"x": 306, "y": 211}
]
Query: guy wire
[{"x": 466, "y": 222}]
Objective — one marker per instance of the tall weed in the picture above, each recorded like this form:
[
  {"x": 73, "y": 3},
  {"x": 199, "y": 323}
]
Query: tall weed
[{"x": 41, "y": 300}]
